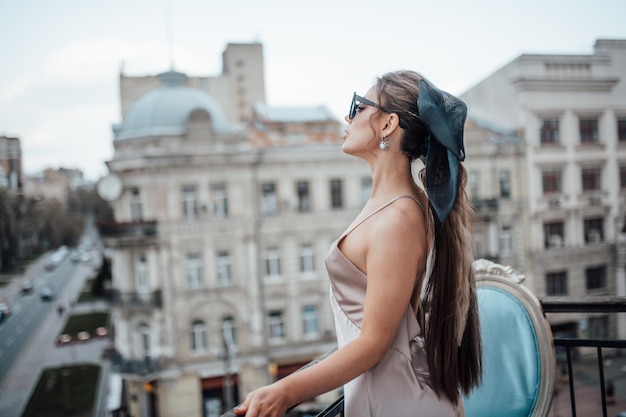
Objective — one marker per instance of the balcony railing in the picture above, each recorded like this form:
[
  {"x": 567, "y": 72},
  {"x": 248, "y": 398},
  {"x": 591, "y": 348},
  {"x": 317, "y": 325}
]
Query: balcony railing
[
  {"x": 611, "y": 305},
  {"x": 138, "y": 367},
  {"x": 134, "y": 232},
  {"x": 571, "y": 346},
  {"x": 486, "y": 206},
  {"x": 136, "y": 300}
]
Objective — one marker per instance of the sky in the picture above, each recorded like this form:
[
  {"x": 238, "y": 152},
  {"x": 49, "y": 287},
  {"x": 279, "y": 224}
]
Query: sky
[{"x": 60, "y": 60}]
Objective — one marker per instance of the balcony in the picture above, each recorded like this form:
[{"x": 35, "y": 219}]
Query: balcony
[
  {"x": 486, "y": 207},
  {"x": 135, "y": 233},
  {"x": 136, "y": 300},
  {"x": 135, "y": 367},
  {"x": 592, "y": 372}
]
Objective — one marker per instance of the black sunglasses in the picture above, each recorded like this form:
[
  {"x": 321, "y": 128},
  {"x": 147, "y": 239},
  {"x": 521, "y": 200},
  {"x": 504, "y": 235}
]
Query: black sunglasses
[{"x": 356, "y": 100}]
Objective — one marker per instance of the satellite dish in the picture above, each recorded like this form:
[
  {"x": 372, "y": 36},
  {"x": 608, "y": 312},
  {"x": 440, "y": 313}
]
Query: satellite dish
[{"x": 110, "y": 187}]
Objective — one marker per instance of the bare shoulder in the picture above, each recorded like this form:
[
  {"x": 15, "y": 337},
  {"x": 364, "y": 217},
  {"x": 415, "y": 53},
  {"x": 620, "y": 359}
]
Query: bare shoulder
[{"x": 402, "y": 221}]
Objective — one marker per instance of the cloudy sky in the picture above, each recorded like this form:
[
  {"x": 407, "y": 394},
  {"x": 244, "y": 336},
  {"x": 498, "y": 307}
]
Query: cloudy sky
[{"x": 60, "y": 60}]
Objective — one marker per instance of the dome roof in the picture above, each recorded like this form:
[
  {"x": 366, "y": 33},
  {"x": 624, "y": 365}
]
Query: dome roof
[{"x": 165, "y": 110}]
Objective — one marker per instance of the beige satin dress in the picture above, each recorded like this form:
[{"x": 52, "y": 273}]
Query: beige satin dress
[{"x": 398, "y": 386}]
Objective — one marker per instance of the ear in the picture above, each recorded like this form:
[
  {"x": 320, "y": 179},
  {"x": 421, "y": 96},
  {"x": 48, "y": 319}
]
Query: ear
[{"x": 391, "y": 122}]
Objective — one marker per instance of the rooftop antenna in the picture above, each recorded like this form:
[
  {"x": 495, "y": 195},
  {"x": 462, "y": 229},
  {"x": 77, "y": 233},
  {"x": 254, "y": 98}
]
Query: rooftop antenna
[{"x": 170, "y": 36}]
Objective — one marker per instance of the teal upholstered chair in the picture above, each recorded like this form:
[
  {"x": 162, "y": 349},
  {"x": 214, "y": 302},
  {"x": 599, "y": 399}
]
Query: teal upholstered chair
[{"x": 518, "y": 353}]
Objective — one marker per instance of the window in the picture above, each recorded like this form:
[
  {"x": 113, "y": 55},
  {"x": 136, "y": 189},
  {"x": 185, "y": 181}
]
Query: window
[
  {"x": 144, "y": 340},
  {"x": 506, "y": 241},
  {"x": 219, "y": 199},
  {"x": 229, "y": 331},
  {"x": 310, "y": 326},
  {"x": 598, "y": 327},
  {"x": 141, "y": 274},
  {"x": 336, "y": 194},
  {"x": 193, "y": 267},
  {"x": 136, "y": 212},
  {"x": 549, "y": 133},
  {"x": 307, "y": 258},
  {"x": 505, "y": 184},
  {"x": 272, "y": 263},
  {"x": 224, "y": 269},
  {"x": 197, "y": 340},
  {"x": 553, "y": 235},
  {"x": 190, "y": 203},
  {"x": 474, "y": 184},
  {"x": 622, "y": 176},
  {"x": 269, "y": 198},
  {"x": 590, "y": 179},
  {"x": 551, "y": 181},
  {"x": 596, "y": 277},
  {"x": 277, "y": 326},
  {"x": 366, "y": 189},
  {"x": 556, "y": 283},
  {"x": 588, "y": 130},
  {"x": 304, "y": 198},
  {"x": 212, "y": 400},
  {"x": 594, "y": 230},
  {"x": 621, "y": 129}
]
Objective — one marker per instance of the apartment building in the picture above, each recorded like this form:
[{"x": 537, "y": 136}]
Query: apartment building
[
  {"x": 218, "y": 246},
  {"x": 11, "y": 163},
  {"x": 570, "y": 111}
]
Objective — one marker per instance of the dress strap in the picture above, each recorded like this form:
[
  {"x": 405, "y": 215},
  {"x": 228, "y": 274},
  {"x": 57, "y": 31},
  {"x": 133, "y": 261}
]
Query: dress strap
[{"x": 354, "y": 226}]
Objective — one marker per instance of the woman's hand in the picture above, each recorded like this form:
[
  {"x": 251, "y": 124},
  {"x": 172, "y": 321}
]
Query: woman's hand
[{"x": 268, "y": 401}]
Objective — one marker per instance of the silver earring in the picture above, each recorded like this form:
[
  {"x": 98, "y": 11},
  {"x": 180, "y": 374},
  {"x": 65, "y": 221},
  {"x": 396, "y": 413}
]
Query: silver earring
[{"x": 384, "y": 145}]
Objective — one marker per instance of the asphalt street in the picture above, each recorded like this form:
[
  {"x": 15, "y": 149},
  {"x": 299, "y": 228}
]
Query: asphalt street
[{"x": 32, "y": 330}]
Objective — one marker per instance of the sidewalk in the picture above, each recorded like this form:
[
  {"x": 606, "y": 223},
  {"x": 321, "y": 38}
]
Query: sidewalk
[{"x": 42, "y": 352}]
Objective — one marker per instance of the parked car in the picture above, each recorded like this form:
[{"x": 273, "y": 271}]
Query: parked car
[
  {"x": 56, "y": 258},
  {"x": 47, "y": 293},
  {"x": 5, "y": 310},
  {"x": 75, "y": 256},
  {"x": 27, "y": 286}
]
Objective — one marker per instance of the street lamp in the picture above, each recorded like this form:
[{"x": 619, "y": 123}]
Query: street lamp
[{"x": 229, "y": 354}]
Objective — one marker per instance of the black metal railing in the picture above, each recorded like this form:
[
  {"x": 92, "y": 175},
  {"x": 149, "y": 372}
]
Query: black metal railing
[
  {"x": 134, "y": 366},
  {"x": 610, "y": 305},
  {"x": 136, "y": 300},
  {"x": 138, "y": 228}
]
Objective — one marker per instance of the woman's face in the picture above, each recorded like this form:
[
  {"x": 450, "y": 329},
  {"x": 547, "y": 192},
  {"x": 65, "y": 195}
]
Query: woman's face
[{"x": 360, "y": 136}]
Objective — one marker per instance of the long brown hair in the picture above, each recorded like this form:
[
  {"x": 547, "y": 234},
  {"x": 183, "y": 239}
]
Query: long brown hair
[{"x": 452, "y": 331}]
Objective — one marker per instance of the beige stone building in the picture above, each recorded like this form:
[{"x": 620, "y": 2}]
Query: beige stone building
[
  {"x": 570, "y": 111},
  {"x": 496, "y": 186},
  {"x": 224, "y": 210}
]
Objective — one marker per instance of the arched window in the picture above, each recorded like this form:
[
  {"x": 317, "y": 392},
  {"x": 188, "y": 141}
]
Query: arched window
[
  {"x": 199, "y": 126},
  {"x": 229, "y": 331},
  {"x": 197, "y": 340},
  {"x": 144, "y": 340}
]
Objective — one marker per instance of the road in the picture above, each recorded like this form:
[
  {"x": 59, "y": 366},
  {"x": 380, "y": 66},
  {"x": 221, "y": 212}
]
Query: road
[
  {"x": 27, "y": 337},
  {"x": 28, "y": 310}
]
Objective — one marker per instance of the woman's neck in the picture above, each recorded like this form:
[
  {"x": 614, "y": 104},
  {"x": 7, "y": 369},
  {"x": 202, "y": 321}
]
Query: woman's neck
[{"x": 392, "y": 178}]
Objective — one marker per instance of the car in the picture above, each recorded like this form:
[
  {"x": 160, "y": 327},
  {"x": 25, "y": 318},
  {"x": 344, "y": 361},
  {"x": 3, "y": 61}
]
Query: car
[
  {"x": 47, "y": 293},
  {"x": 5, "y": 310},
  {"x": 27, "y": 287},
  {"x": 75, "y": 256}
]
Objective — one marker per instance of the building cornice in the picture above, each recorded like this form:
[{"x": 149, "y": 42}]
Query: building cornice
[{"x": 566, "y": 85}]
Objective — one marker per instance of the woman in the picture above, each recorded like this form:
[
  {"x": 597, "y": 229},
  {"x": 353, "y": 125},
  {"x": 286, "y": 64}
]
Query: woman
[{"x": 402, "y": 288}]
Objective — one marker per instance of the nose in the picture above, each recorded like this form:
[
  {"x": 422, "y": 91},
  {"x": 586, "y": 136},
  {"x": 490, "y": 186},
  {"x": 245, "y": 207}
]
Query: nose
[{"x": 347, "y": 119}]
